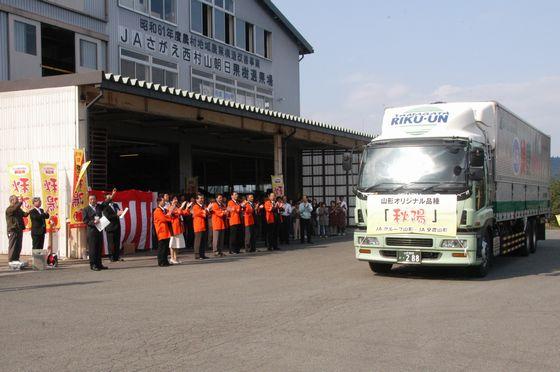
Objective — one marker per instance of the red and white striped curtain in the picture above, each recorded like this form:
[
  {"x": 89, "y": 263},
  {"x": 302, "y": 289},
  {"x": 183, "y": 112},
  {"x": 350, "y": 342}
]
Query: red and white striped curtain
[{"x": 136, "y": 225}]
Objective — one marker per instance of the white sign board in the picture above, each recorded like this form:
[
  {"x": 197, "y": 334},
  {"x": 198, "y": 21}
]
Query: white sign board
[{"x": 412, "y": 214}]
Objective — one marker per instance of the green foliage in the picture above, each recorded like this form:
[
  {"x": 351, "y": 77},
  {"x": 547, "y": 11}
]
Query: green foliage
[{"x": 555, "y": 198}]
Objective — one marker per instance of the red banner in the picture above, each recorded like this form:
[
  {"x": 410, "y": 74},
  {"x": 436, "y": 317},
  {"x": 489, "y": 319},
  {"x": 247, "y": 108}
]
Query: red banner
[{"x": 136, "y": 225}]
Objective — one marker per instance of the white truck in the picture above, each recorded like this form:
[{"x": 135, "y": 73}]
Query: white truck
[{"x": 451, "y": 184}]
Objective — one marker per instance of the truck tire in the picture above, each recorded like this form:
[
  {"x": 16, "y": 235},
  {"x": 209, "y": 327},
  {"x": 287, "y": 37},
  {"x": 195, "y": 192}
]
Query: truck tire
[
  {"x": 534, "y": 239},
  {"x": 487, "y": 253},
  {"x": 525, "y": 250},
  {"x": 380, "y": 268}
]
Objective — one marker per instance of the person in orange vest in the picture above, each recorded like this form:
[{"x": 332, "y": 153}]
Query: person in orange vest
[
  {"x": 163, "y": 232},
  {"x": 271, "y": 209},
  {"x": 249, "y": 210},
  {"x": 235, "y": 227},
  {"x": 219, "y": 215},
  {"x": 177, "y": 241},
  {"x": 199, "y": 214}
]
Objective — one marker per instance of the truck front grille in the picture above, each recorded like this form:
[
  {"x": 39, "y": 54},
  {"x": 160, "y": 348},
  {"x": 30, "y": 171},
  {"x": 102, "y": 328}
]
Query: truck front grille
[{"x": 409, "y": 242}]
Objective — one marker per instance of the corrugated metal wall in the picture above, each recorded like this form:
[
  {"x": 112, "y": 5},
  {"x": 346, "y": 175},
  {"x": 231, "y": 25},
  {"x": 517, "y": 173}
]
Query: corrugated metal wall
[
  {"x": 3, "y": 46},
  {"x": 38, "y": 126},
  {"x": 64, "y": 15}
]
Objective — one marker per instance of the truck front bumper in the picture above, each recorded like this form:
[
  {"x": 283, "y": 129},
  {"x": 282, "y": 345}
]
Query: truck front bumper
[{"x": 388, "y": 247}]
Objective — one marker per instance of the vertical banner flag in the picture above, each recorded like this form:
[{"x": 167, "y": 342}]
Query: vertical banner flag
[
  {"x": 278, "y": 184},
  {"x": 79, "y": 189},
  {"x": 49, "y": 185},
  {"x": 21, "y": 185}
]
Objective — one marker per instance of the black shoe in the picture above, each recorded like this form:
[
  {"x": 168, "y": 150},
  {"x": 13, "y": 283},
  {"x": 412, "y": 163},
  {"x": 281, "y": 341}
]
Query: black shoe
[
  {"x": 199, "y": 258},
  {"x": 205, "y": 258},
  {"x": 95, "y": 268},
  {"x": 103, "y": 267}
]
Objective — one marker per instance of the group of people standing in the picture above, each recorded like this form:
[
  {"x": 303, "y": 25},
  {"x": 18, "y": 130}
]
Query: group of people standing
[
  {"x": 15, "y": 214},
  {"x": 217, "y": 224},
  {"x": 236, "y": 223}
]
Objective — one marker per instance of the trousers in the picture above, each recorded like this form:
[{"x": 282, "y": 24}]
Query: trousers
[
  {"x": 200, "y": 239},
  {"x": 163, "y": 251},
  {"x": 15, "y": 241},
  {"x": 218, "y": 241},
  {"x": 250, "y": 239}
]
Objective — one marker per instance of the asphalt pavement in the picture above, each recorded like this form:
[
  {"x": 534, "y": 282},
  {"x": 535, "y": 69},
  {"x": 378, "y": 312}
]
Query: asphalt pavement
[{"x": 308, "y": 308}]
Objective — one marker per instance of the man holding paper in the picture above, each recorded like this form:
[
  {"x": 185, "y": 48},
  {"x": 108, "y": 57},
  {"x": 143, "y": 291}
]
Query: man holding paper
[
  {"x": 112, "y": 212},
  {"x": 92, "y": 218}
]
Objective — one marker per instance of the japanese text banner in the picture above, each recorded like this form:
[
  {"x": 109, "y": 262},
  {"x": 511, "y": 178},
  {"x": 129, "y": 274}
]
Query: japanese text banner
[
  {"x": 79, "y": 190},
  {"x": 277, "y": 184},
  {"x": 21, "y": 185},
  {"x": 412, "y": 214},
  {"x": 49, "y": 186}
]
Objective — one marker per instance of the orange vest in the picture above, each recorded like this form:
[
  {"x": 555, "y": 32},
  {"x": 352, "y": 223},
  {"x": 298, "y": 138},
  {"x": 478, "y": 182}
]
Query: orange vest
[
  {"x": 268, "y": 208},
  {"x": 161, "y": 224},
  {"x": 177, "y": 221},
  {"x": 234, "y": 213},
  {"x": 218, "y": 217},
  {"x": 199, "y": 218},
  {"x": 249, "y": 215}
]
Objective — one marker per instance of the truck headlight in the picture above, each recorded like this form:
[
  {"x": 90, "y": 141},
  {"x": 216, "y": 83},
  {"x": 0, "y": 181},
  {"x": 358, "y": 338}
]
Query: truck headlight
[
  {"x": 454, "y": 243},
  {"x": 368, "y": 240}
]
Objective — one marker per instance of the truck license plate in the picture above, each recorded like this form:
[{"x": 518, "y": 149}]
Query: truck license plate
[{"x": 409, "y": 257}]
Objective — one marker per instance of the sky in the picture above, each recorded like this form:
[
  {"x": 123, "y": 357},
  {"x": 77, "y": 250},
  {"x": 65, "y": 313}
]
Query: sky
[{"x": 372, "y": 54}]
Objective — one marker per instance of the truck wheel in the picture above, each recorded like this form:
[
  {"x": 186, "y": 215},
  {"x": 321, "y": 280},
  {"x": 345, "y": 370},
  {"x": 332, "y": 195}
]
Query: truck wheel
[
  {"x": 487, "y": 254},
  {"x": 380, "y": 268},
  {"x": 534, "y": 239},
  {"x": 525, "y": 250}
]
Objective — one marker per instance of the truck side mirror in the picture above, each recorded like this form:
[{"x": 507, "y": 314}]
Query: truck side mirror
[
  {"x": 476, "y": 173},
  {"x": 347, "y": 161},
  {"x": 476, "y": 158}
]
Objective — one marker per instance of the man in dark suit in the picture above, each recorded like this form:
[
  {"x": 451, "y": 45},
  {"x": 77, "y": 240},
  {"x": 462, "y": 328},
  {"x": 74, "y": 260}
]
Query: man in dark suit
[
  {"x": 91, "y": 215},
  {"x": 15, "y": 226},
  {"x": 112, "y": 212},
  {"x": 38, "y": 224}
]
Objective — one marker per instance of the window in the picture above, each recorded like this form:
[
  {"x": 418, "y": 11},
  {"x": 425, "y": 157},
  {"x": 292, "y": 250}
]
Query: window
[
  {"x": 164, "y": 73},
  {"x": 267, "y": 44},
  {"x": 134, "y": 65},
  {"x": 137, "y": 5},
  {"x": 249, "y": 37},
  {"x": 143, "y": 67},
  {"x": 263, "y": 42},
  {"x": 25, "y": 38},
  {"x": 164, "y": 9},
  {"x": 223, "y": 26},
  {"x": 221, "y": 87},
  {"x": 88, "y": 54},
  {"x": 201, "y": 18},
  {"x": 240, "y": 37},
  {"x": 244, "y": 38}
]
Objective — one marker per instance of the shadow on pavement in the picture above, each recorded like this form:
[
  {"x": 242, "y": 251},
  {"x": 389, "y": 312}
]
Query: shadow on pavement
[
  {"x": 41, "y": 286},
  {"x": 546, "y": 261}
]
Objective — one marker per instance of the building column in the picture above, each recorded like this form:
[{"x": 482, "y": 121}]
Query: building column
[
  {"x": 185, "y": 163},
  {"x": 278, "y": 159}
]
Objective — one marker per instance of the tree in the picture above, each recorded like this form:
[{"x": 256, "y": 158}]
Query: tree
[{"x": 555, "y": 199}]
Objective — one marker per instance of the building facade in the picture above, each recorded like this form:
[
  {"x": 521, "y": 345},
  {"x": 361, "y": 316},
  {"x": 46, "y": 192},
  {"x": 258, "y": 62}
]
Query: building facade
[{"x": 240, "y": 50}]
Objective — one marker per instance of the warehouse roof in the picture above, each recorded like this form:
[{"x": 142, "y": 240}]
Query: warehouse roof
[{"x": 123, "y": 84}]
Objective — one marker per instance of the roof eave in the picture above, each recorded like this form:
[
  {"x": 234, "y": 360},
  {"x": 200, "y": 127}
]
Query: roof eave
[{"x": 304, "y": 46}]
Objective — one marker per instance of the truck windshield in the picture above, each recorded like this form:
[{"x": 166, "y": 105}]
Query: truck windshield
[{"x": 396, "y": 167}]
